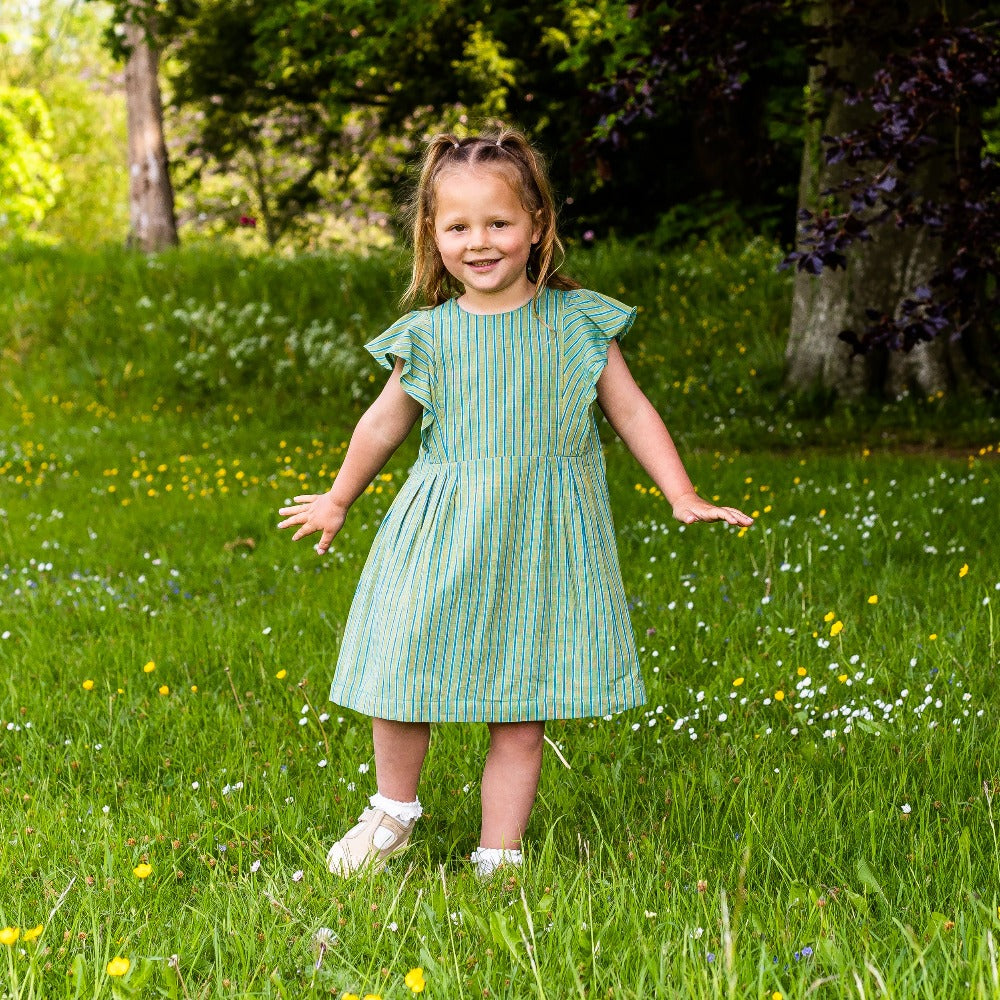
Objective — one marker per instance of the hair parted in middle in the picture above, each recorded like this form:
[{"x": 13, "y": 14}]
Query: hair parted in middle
[{"x": 509, "y": 152}]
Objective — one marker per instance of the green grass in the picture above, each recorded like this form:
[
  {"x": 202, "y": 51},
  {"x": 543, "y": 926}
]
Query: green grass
[
  {"x": 199, "y": 330},
  {"x": 838, "y": 841}
]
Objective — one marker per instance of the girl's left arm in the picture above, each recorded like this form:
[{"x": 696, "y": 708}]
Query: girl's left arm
[{"x": 637, "y": 423}]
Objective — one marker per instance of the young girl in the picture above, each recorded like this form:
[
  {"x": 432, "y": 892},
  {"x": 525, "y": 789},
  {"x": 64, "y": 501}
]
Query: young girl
[{"x": 492, "y": 592}]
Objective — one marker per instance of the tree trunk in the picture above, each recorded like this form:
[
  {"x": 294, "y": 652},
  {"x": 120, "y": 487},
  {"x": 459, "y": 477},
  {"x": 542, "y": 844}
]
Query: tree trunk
[
  {"x": 151, "y": 197},
  {"x": 878, "y": 275}
]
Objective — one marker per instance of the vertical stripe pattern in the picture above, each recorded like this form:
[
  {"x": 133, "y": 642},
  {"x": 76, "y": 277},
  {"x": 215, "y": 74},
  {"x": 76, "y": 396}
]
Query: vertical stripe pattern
[{"x": 493, "y": 590}]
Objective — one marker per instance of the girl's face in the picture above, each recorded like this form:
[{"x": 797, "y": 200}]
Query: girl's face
[{"x": 484, "y": 235}]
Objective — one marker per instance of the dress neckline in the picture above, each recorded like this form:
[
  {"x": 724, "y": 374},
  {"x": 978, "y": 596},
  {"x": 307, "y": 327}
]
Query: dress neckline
[{"x": 503, "y": 312}]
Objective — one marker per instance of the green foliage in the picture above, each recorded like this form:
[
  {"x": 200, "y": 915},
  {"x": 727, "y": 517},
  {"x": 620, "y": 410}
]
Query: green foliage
[
  {"x": 714, "y": 214},
  {"x": 991, "y": 131},
  {"x": 29, "y": 176},
  {"x": 659, "y": 130},
  {"x": 298, "y": 112},
  {"x": 226, "y": 349},
  {"x": 126, "y": 330},
  {"x": 603, "y": 28},
  {"x": 306, "y": 117},
  {"x": 486, "y": 70},
  {"x": 57, "y": 51},
  {"x": 296, "y": 123},
  {"x": 166, "y": 655}
]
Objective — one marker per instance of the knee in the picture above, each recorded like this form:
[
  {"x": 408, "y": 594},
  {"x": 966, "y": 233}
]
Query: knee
[{"x": 524, "y": 739}]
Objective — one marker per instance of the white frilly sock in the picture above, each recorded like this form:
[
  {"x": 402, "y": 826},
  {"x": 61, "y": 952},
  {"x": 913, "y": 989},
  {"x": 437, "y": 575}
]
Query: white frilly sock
[
  {"x": 488, "y": 859},
  {"x": 405, "y": 812}
]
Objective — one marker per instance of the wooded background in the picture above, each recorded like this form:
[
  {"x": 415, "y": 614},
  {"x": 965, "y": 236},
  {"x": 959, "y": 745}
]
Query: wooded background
[{"x": 859, "y": 135}]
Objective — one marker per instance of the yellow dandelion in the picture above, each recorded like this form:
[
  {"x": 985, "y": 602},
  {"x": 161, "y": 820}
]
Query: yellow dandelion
[
  {"x": 194, "y": 688},
  {"x": 32, "y": 932},
  {"x": 163, "y": 689},
  {"x": 873, "y": 599},
  {"x": 829, "y": 616},
  {"x": 88, "y": 685},
  {"x": 9, "y": 935},
  {"x": 737, "y": 682},
  {"x": 964, "y": 571},
  {"x": 836, "y": 628},
  {"x": 118, "y": 966},
  {"x": 932, "y": 636},
  {"x": 776, "y": 996},
  {"x": 143, "y": 870},
  {"x": 350, "y": 996},
  {"x": 149, "y": 667},
  {"x": 842, "y": 678},
  {"x": 281, "y": 674},
  {"x": 414, "y": 979},
  {"x": 802, "y": 671},
  {"x": 779, "y": 695},
  {"x": 372, "y": 996}
]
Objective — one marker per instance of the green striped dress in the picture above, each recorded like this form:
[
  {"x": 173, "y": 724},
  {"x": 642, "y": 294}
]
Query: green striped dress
[{"x": 493, "y": 591}]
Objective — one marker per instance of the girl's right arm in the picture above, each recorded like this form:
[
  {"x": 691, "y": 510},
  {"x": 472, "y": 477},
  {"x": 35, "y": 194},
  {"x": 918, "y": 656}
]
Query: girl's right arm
[{"x": 380, "y": 431}]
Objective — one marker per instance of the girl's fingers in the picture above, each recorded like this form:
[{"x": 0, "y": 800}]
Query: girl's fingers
[
  {"x": 299, "y": 508},
  {"x": 728, "y": 514}
]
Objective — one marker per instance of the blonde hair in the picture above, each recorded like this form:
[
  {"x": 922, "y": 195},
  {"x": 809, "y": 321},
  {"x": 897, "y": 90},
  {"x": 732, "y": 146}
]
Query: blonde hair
[{"x": 507, "y": 151}]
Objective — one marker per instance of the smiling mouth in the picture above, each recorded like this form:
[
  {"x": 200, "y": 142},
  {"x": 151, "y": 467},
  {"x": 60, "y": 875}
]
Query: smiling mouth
[{"x": 482, "y": 263}]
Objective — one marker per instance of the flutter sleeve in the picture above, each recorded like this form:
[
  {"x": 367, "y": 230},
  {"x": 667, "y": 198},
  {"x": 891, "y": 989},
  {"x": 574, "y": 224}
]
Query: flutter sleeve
[
  {"x": 592, "y": 322},
  {"x": 409, "y": 338}
]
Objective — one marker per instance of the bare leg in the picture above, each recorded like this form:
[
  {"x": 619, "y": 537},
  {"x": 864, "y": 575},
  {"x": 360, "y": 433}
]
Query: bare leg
[
  {"x": 510, "y": 781},
  {"x": 399, "y": 754},
  {"x": 400, "y": 748}
]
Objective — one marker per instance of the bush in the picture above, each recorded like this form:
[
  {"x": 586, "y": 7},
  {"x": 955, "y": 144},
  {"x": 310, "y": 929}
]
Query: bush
[{"x": 224, "y": 347}]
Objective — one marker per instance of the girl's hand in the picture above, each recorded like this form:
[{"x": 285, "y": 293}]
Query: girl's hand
[
  {"x": 690, "y": 508},
  {"x": 315, "y": 513}
]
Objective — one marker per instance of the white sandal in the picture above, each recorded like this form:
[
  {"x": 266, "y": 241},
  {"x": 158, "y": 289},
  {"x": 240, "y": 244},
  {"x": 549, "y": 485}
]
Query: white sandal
[{"x": 369, "y": 844}]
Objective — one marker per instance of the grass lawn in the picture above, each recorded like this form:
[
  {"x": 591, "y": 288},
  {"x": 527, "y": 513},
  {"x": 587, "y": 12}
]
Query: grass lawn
[{"x": 804, "y": 807}]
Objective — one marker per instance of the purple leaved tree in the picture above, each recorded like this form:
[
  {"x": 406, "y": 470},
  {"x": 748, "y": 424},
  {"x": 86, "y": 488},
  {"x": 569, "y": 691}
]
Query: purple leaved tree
[{"x": 896, "y": 285}]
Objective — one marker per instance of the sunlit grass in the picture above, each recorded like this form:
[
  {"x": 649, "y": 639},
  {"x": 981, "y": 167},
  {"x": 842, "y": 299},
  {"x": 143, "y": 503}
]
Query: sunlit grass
[
  {"x": 195, "y": 331},
  {"x": 805, "y": 806}
]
